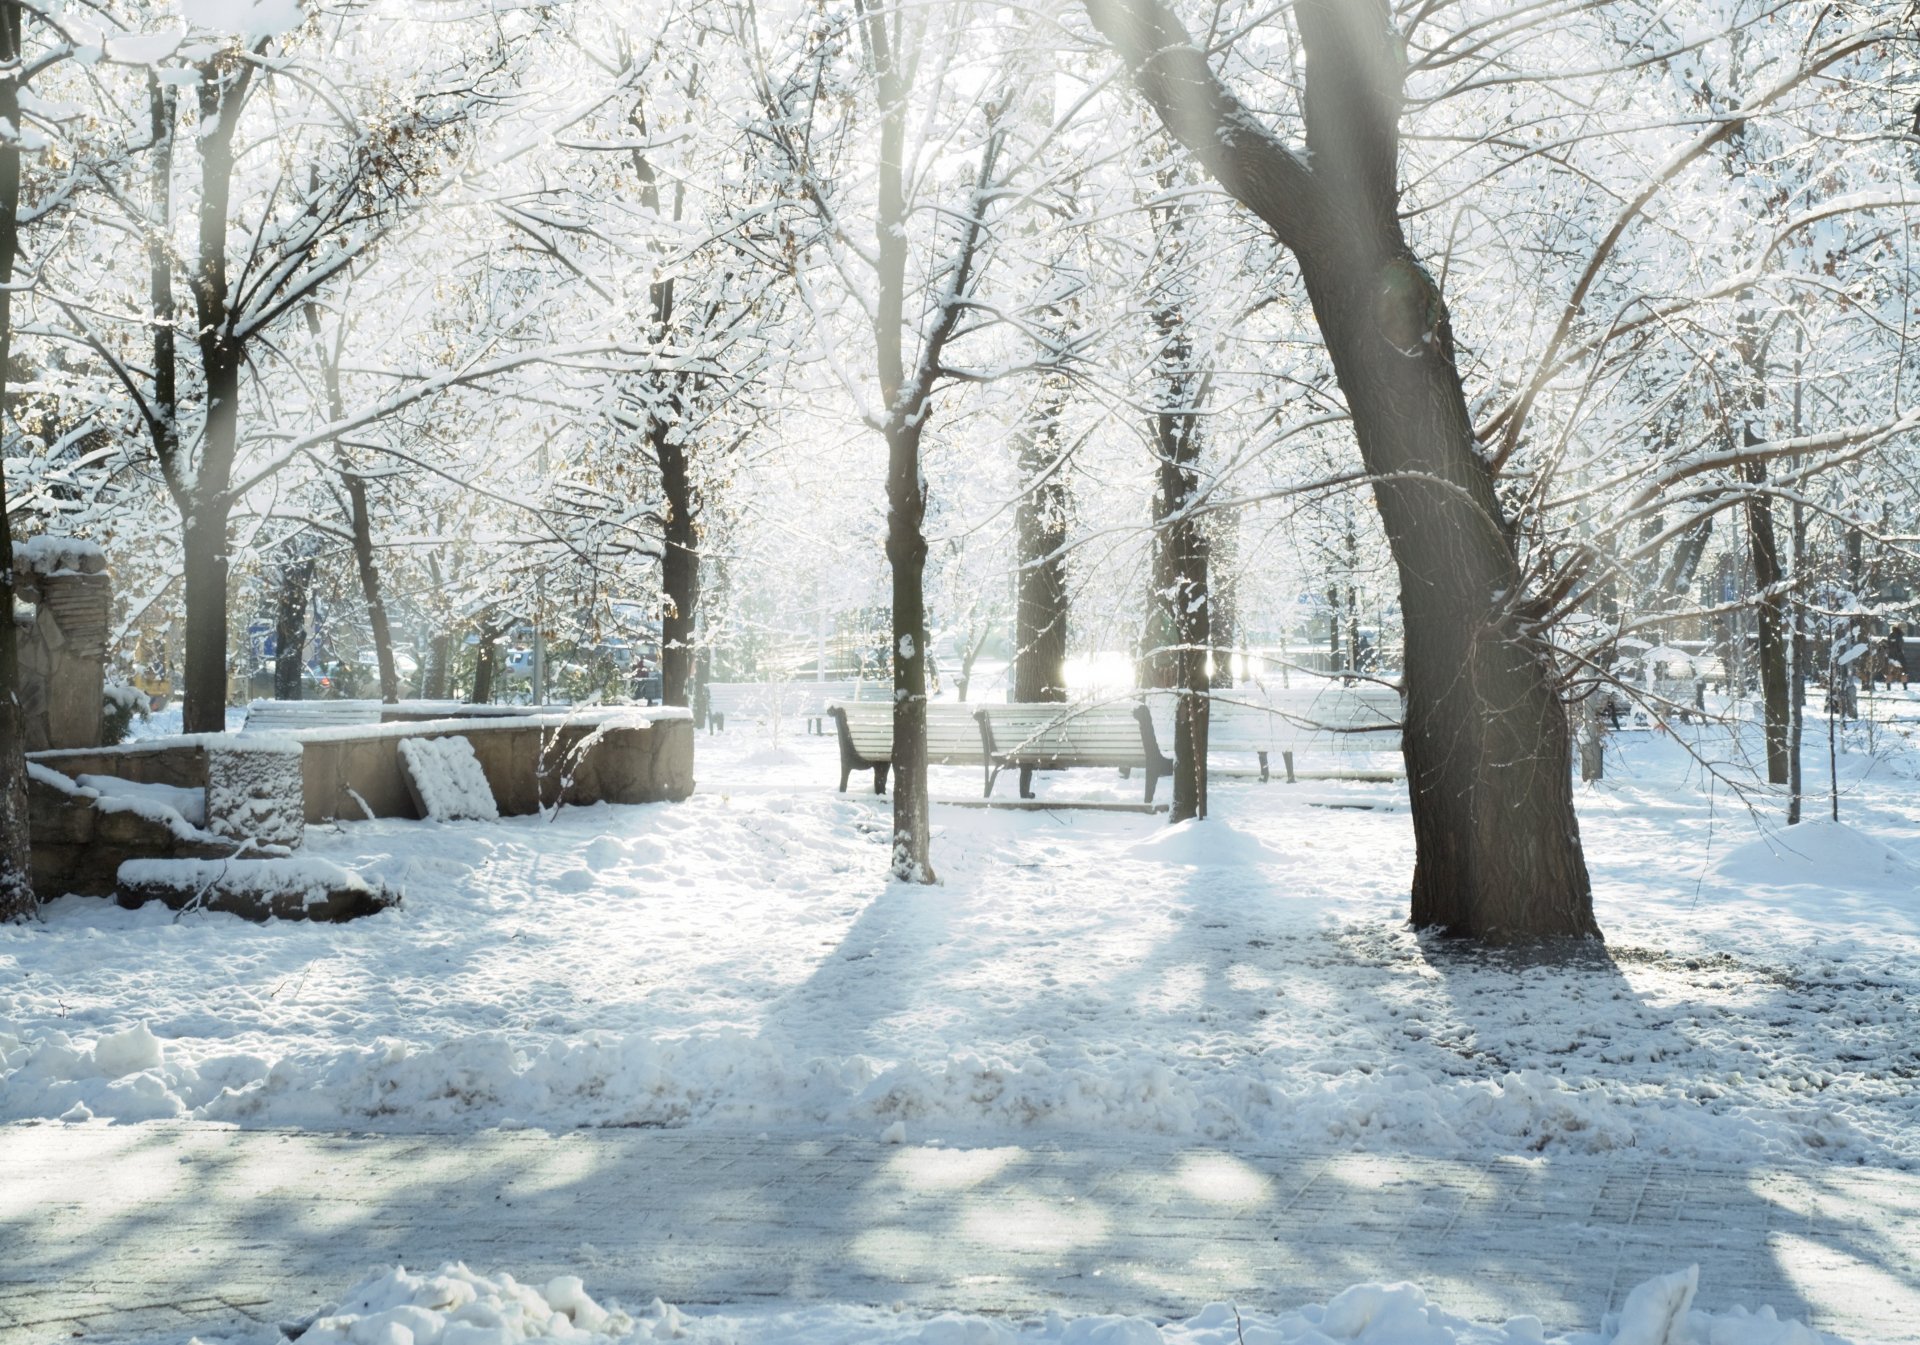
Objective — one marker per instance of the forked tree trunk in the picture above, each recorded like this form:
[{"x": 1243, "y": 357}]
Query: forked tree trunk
[
  {"x": 1486, "y": 737},
  {"x": 290, "y": 627},
  {"x": 16, "y": 855},
  {"x": 1040, "y": 525}
]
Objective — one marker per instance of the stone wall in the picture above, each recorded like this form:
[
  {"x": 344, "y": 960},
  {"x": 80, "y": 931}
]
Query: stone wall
[
  {"x": 78, "y": 849},
  {"x": 529, "y": 761},
  {"x": 346, "y": 774}
]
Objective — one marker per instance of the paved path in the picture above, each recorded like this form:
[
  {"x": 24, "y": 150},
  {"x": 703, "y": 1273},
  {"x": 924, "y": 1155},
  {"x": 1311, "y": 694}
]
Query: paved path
[{"x": 148, "y": 1232}]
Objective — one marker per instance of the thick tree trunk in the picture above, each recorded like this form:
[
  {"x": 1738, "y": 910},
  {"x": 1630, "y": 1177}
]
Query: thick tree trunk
[
  {"x": 290, "y": 627},
  {"x": 204, "y": 677},
  {"x": 1040, "y": 525},
  {"x": 1486, "y": 738},
  {"x": 16, "y": 854}
]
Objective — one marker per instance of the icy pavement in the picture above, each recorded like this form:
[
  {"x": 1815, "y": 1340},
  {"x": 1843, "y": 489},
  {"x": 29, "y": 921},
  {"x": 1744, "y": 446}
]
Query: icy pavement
[{"x": 151, "y": 1232}]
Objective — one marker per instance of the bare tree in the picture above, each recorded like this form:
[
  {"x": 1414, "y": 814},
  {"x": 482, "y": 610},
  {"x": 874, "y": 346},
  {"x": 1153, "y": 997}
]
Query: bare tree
[{"x": 1486, "y": 739}]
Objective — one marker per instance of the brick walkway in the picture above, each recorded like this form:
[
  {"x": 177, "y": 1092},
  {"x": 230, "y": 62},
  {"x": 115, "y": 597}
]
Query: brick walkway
[{"x": 148, "y": 1232}]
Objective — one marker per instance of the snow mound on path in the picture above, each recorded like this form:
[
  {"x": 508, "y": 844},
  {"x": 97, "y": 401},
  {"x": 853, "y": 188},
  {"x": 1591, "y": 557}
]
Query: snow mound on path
[
  {"x": 456, "y": 1306},
  {"x": 734, "y": 1079},
  {"x": 1820, "y": 853},
  {"x": 1204, "y": 843}
]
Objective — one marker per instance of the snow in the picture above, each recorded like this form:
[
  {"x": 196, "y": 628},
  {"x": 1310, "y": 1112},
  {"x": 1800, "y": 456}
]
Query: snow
[
  {"x": 742, "y": 960},
  {"x": 144, "y": 48},
  {"x": 446, "y": 777},
  {"x": 251, "y": 19},
  {"x": 50, "y": 554},
  {"x": 296, "y": 875},
  {"x": 160, "y": 802},
  {"x": 459, "y": 1306}
]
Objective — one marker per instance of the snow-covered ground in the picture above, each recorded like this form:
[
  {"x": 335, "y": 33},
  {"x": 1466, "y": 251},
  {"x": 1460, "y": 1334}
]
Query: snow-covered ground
[
  {"x": 741, "y": 960},
  {"x": 458, "y": 1306}
]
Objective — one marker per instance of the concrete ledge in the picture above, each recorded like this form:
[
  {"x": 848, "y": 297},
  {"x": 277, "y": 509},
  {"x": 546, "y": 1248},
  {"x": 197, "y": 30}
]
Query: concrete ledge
[{"x": 530, "y": 761}]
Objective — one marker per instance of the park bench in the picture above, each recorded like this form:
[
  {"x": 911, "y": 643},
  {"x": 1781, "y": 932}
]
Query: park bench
[
  {"x": 865, "y": 729},
  {"x": 801, "y": 700},
  {"x": 265, "y": 716},
  {"x": 1330, "y": 719},
  {"x": 1053, "y": 736}
]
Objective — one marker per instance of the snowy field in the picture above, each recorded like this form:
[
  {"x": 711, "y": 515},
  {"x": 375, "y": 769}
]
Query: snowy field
[{"x": 739, "y": 960}]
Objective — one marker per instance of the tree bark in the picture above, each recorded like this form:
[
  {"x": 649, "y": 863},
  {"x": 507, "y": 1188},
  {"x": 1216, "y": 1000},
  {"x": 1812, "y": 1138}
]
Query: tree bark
[
  {"x": 1768, "y": 573},
  {"x": 1223, "y": 599},
  {"x": 439, "y": 651},
  {"x": 1040, "y": 525},
  {"x": 16, "y": 853},
  {"x": 679, "y": 570},
  {"x": 1184, "y": 604},
  {"x": 1485, "y": 735},
  {"x": 207, "y": 502},
  {"x": 359, "y": 518},
  {"x": 485, "y": 659},
  {"x": 290, "y": 627}
]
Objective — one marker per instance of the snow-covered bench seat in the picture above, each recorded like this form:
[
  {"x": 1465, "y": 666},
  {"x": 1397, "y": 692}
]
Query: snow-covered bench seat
[
  {"x": 1054, "y": 736},
  {"x": 271, "y": 716},
  {"x": 865, "y": 730},
  {"x": 796, "y": 700},
  {"x": 1332, "y": 722}
]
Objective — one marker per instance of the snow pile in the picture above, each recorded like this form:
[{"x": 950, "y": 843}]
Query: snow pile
[
  {"x": 397, "y": 1308},
  {"x": 153, "y": 801},
  {"x": 118, "y": 1076},
  {"x": 457, "y": 1306},
  {"x": 303, "y": 877},
  {"x": 1818, "y": 853},
  {"x": 446, "y": 780},
  {"x": 1203, "y": 843}
]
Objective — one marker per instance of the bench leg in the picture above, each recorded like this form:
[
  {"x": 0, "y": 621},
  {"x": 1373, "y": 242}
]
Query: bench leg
[
  {"x": 1126, "y": 772},
  {"x": 1288, "y": 758},
  {"x": 1026, "y": 782},
  {"x": 1263, "y": 766},
  {"x": 1153, "y": 781},
  {"x": 845, "y": 771},
  {"x": 880, "y": 777}
]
